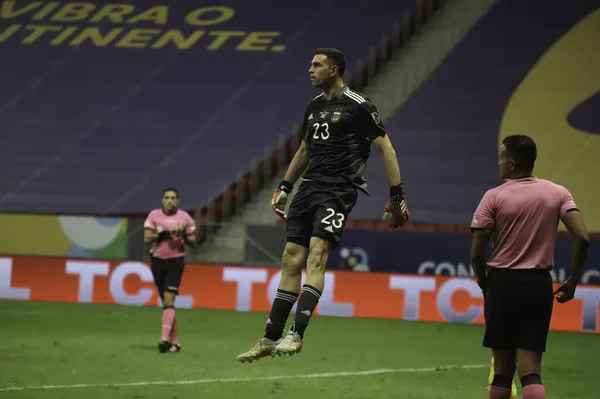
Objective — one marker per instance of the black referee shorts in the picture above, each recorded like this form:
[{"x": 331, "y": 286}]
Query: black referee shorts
[
  {"x": 167, "y": 274},
  {"x": 518, "y": 307},
  {"x": 320, "y": 210}
]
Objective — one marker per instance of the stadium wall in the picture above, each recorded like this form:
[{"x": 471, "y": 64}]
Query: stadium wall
[
  {"x": 346, "y": 294},
  {"x": 64, "y": 235},
  {"x": 361, "y": 250},
  {"x": 410, "y": 252}
]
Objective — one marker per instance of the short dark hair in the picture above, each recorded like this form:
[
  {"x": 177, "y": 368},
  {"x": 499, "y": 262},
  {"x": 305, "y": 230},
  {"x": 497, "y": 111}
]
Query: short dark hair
[
  {"x": 522, "y": 149},
  {"x": 336, "y": 56},
  {"x": 171, "y": 189}
]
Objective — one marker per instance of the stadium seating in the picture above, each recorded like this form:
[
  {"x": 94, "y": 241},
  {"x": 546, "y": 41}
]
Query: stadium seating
[
  {"x": 98, "y": 114},
  {"x": 447, "y": 132}
]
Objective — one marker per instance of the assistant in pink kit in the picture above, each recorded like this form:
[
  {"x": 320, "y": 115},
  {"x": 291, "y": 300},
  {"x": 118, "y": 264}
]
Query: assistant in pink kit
[
  {"x": 169, "y": 229},
  {"x": 522, "y": 215}
]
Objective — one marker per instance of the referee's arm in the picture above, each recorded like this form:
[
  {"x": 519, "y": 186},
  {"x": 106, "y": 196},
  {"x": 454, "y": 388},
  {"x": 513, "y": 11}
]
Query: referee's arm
[
  {"x": 190, "y": 240},
  {"x": 187, "y": 231},
  {"x": 574, "y": 223},
  {"x": 482, "y": 226},
  {"x": 150, "y": 235},
  {"x": 481, "y": 239}
]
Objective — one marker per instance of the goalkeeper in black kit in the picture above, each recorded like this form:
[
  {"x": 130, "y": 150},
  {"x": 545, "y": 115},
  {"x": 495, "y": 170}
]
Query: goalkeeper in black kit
[{"x": 340, "y": 127}]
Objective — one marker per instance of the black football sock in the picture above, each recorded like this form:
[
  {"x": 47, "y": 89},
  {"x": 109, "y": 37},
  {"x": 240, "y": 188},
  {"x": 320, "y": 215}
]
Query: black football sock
[
  {"x": 306, "y": 305},
  {"x": 282, "y": 306}
]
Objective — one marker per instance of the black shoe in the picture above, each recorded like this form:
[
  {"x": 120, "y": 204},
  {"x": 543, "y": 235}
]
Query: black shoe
[
  {"x": 163, "y": 346},
  {"x": 174, "y": 348}
]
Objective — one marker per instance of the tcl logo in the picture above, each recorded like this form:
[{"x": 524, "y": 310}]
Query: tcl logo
[
  {"x": 246, "y": 277},
  {"x": 87, "y": 271}
]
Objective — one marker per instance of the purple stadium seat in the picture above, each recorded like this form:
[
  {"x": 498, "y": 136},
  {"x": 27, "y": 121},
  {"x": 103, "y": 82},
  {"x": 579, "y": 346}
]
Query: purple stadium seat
[
  {"x": 447, "y": 132},
  {"x": 103, "y": 129}
]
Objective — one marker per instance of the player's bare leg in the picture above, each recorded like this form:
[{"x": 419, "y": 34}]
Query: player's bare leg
[
  {"x": 168, "y": 320},
  {"x": 529, "y": 366},
  {"x": 174, "y": 338},
  {"x": 287, "y": 293},
  {"x": 309, "y": 298},
  {"x": 504, "y": 370}
]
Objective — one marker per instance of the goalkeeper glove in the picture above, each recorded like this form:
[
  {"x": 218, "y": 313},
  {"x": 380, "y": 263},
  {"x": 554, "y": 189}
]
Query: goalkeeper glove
[
  {"x": 396, "y": 208},
  {"x": 280, "y": 197}
]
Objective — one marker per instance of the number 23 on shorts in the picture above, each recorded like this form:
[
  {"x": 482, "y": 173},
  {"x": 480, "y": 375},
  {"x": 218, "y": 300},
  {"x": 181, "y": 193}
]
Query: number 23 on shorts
[{"x": 333, "y": 218}]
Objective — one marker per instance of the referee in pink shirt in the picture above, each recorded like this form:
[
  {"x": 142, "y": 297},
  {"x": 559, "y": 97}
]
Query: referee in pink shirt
[
  {"x": 169, "y": 229},
  {"x": 522, "y": 216}
]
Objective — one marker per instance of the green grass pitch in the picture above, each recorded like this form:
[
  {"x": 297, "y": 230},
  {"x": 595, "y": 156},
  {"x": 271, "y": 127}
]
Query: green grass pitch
[{"x": 54, "y": 350}]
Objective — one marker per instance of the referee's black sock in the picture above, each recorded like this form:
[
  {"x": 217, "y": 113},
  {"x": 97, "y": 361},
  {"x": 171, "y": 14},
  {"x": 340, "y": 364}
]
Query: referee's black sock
[
  {"x": 306, "y": 305},
  {"x": 501, "y": 387},
  {"x": 282, "y": 306},
  {"x": 532, "y": 387}
]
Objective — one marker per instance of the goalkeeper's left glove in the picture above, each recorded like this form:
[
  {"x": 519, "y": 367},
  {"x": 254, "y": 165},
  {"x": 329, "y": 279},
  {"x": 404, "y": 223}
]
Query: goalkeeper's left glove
[{"x": 396, "y": 208}]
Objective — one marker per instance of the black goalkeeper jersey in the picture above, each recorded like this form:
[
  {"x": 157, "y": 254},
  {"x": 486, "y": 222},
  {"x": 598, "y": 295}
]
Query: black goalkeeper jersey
[{"x": 339, "y": 134}]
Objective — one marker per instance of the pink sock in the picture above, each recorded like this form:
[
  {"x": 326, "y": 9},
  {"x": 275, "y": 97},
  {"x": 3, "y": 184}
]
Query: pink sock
[
  {"x": 499, "y": 393},
  {"x": 168, "y": 317},
  {"x": 534, "y": 391},
  {"x": 174, "y": 338}
]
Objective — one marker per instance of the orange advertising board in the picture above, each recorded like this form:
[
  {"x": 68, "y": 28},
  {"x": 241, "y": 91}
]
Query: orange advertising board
[{"x": 349, "y": 294}]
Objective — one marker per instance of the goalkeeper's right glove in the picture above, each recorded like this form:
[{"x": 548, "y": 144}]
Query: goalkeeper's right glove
[
  {"x": 280, "y": 197},
  {"x": 397, "y": 207}
]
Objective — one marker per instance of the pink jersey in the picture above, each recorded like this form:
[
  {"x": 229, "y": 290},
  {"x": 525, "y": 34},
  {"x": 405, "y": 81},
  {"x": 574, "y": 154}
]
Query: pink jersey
[
  {"x": 174, "y": 246},
  {"x": 523, "y": 215}
]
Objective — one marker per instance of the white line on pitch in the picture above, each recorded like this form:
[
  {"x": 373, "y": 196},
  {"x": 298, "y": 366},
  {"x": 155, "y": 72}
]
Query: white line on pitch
[{"x": 247, "y": 379}]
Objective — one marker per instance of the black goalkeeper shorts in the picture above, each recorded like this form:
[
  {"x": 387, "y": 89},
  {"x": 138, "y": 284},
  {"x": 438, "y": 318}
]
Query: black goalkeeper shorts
[{"x": 320, "y": 210}]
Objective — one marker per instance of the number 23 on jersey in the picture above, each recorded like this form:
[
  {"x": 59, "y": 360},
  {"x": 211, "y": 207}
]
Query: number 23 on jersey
[{"x": 321, "y": 131}]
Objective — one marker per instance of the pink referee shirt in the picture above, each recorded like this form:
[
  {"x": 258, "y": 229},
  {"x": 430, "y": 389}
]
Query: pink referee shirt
[
  {"x": 174, "y": 246},
  {"x": 523, "y": 214}
]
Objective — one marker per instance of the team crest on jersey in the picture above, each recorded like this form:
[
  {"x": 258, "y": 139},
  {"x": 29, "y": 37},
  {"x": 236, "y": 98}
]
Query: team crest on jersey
[{"x": 336, "y": 116}]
